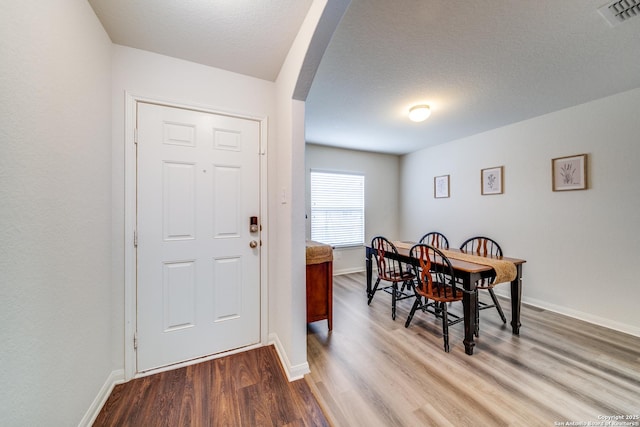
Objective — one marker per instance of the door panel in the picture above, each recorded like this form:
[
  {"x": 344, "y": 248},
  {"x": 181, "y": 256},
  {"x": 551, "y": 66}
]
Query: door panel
[
  {"x": 198, "y": 283},
  {"x": 226, "y": 202},
  {"x": 226, "y": 271},
  {"x": 178, "y": 201},
  {"x": 178, "y": 285}
]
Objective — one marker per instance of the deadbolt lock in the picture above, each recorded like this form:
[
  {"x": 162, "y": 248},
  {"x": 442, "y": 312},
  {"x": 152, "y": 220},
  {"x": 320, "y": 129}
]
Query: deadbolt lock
[{"x": 253, "y": 224}]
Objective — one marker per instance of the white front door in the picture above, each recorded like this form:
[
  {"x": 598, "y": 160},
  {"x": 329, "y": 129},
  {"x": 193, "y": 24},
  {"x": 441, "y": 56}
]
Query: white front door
[{"x": 198, "y": 279}]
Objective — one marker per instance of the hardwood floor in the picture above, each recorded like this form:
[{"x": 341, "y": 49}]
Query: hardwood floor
[
  {"x": 372, "y": 371},
  {"x": 245, "y": 389}
]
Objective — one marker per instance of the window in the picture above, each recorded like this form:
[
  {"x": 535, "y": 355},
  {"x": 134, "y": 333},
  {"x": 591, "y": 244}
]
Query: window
[{"x": 337, "y": 208}]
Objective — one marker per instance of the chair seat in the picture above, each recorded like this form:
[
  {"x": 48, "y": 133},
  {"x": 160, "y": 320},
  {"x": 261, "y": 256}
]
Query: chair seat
[
  {"x": 488, "y": 283},
  {"x": 441, "y": 294},
  {"x": 403, "y": 277},
  {"x": 484, "y": 285}
]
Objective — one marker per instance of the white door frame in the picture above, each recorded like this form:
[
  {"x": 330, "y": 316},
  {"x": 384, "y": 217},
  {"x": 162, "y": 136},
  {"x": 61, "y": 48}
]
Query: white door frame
[{"x": 130, "y": 255}]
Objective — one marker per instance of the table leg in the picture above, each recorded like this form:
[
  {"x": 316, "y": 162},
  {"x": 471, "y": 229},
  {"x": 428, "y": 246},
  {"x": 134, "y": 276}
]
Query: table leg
[
  {"x": 369, "y": 273},
  {"x": 469, "y": 302},
  {"x": 516, "y": 298}
]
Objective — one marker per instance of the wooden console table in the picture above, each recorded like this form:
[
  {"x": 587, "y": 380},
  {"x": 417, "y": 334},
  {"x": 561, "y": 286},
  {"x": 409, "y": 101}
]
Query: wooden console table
[{"x": 319, "y": 282}]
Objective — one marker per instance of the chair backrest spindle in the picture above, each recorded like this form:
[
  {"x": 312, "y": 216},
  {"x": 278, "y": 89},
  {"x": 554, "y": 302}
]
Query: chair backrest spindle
[
  {"x": 482, "y": 246},
  {"x": 435, "y": 239}
]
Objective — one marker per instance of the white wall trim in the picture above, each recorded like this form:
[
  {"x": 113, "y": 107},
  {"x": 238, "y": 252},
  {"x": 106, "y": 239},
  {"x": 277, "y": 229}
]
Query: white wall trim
[
  {"x": 586, "y": 317},
  {"x": 348, "y": 271},
  {"x": 130, "y": 255},
  {"x": 264, "y": 231},
  {"x": 130, "y": 262},
  {"x": 293, "y": 372},
  {"x": 115, "y": 378}
]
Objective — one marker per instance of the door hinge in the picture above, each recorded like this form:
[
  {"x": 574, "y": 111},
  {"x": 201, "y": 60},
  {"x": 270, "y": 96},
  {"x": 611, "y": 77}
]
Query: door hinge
[
  {"x": 135, "y": 239},
  {"x": 135, "y": 341},
  {"x": 135, "y": 136}
]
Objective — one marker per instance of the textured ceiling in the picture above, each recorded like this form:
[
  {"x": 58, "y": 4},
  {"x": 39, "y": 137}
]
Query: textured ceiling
[
  {"x": 250, "y": 37},
  {"x": 480, "y": 64}
]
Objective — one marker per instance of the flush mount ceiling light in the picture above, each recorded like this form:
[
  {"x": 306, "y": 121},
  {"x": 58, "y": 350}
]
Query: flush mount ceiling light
[{"x": 419, "y": 113}]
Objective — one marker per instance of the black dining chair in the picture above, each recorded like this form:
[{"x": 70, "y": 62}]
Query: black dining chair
[
  {"x": 435, "y": 287},
  {"x": 484, "y": 246},
  {"x": 391, "y": 270},
  {"x": 435, "y": 239}
]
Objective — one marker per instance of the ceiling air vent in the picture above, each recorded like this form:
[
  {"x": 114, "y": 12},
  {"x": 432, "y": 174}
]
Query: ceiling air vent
[{"x": 619, "y": 11}]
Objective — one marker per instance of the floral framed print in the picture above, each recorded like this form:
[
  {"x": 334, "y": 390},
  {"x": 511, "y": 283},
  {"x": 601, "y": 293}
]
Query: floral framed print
[
  {"x": 569, "y": 173},
  {"x": 491, "y": 180},
  {"x": 441, "y": 186}
]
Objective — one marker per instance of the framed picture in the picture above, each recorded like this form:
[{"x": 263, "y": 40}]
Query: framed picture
[
  {"x": 441, "y": 186},
  {"x": 491, "y": 180},
  {"x": 569, "y": 173}
]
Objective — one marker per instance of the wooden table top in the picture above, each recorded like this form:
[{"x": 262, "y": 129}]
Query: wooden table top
[{"x": 466, "y": 266}]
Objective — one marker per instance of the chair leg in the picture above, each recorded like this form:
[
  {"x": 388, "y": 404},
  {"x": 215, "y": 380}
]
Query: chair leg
[
  {"x": 393, "y": 300},
  {"x": 497, "y": 304},
  {"x": 445, "y": 327},
  {"x": 477, "y": 331},
  {"x": 373, "y": 291},
  {"x": 416, "y": 304},
  {"x": 408, "y": 284},
  {"x": 437, "y": 309}
]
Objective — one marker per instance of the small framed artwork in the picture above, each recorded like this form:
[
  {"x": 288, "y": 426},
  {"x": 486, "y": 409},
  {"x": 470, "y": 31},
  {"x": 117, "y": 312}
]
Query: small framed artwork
[
  {"x": 441, "y": 186},
  {"x": 569, "y": 173},
  {"x": 491, "y": 180}
]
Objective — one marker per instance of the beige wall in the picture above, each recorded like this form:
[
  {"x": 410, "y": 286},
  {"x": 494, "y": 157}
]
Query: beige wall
[
  {"x": 382, "y": 195},
  {"x": 55, "y": 213},
  {"x": 581, "y": 247}
]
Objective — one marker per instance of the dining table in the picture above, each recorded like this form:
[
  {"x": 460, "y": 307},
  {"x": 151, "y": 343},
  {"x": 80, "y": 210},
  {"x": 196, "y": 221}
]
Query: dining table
[{"x": 469, "y": 270}]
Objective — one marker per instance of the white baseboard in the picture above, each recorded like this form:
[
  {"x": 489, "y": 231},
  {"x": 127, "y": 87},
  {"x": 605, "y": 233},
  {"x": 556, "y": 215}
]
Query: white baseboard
[
  {"x": 348, "y": 271},
  {"x": 596, "y": 320},
  {"x": 116, "y": 377},
  {"x": 576, "y": 314},
  {"x": 293, "y": 372}
]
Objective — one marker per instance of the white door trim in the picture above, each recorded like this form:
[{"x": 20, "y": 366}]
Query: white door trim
[{"x": 130, "y": 260}]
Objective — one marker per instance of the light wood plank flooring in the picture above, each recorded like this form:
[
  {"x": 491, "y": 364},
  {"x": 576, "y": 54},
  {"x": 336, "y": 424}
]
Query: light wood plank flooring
[{"x": 372, "y": 371}]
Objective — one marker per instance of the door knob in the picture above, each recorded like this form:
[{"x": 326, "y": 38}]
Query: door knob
[{"x": 253, "y": 244}]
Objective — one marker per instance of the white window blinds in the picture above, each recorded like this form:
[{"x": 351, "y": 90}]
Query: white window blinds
[{"x": 337, "y": 208}]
